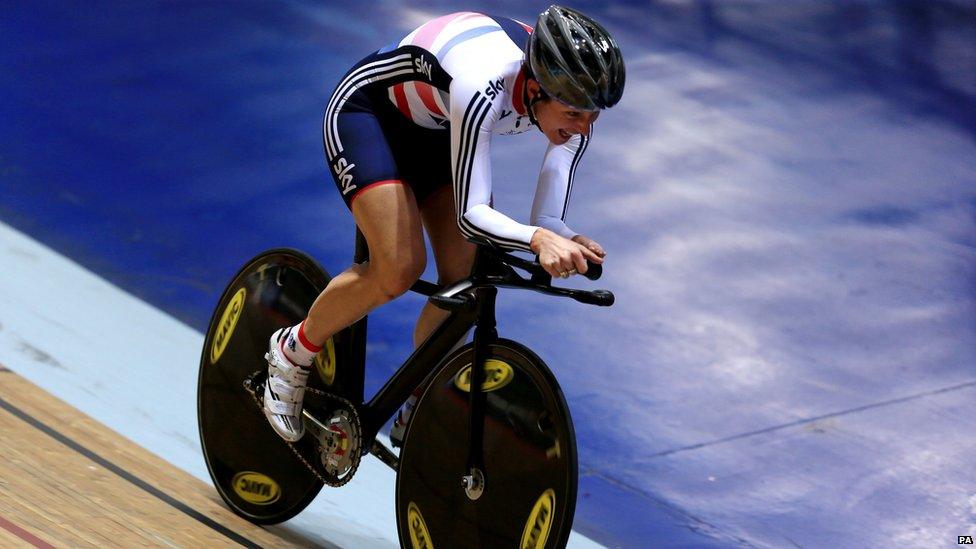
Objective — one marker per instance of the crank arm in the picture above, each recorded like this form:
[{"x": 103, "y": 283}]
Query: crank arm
[
  {"x": 385, "y": 455},
  {"x": 319, "y": 430}
]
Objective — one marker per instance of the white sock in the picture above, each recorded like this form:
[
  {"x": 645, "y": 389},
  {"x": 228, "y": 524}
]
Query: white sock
[{"x": 297, "y": 348}]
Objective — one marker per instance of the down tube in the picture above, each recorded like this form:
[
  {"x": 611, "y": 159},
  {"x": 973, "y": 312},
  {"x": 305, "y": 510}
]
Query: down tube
[{"x": 421, "y": 363}]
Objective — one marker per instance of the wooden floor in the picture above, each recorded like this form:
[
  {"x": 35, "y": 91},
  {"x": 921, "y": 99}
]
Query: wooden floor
[{"x": 68, "y": 481}]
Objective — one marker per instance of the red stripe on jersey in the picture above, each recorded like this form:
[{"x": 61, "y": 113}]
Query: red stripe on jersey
[
  {"x": 401, "y": 100},
  {"x": 426, "y": 93},
  {"x": 517, "y": 96}
]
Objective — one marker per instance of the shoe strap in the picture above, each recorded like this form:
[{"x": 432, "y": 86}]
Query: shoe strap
[
  {"x": 286, "y": 391},
  {"x": 286, "y": 369},
  {"x": 281, "y": 407}
]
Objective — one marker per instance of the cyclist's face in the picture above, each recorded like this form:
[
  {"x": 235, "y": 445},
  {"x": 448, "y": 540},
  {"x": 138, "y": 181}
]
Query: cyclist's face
[{"x": 558, "y": 121}]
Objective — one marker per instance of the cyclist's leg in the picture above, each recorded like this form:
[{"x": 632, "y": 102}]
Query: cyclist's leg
[
  {"x": 454, "y": 256},
  {"x": 385, "y": 209},
  {"x": 452, "y": 252},
  {"x": 390, "y": 221},
  {"x": 362, "y": 148}
]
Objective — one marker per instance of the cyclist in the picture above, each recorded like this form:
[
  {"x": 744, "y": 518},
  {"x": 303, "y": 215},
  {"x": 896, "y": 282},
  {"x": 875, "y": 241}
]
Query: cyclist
[{"x": 414, "y": 120}]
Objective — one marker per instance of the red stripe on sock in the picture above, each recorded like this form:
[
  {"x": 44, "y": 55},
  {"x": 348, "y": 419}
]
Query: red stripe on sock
[{"x": 304, "y": 340}]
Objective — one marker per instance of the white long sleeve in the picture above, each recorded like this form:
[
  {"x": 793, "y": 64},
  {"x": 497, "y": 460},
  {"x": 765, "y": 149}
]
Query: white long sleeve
[
  {"x": 474, "y": 112},
  {"x": 555, "y": 185}
]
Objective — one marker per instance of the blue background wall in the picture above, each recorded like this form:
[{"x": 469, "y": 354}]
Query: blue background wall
[{"x": 787, "y": 194}]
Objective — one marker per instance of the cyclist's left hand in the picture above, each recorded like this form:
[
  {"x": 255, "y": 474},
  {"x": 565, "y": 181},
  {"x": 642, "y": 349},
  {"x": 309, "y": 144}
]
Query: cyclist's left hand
[{"x": 590, "y": 244}]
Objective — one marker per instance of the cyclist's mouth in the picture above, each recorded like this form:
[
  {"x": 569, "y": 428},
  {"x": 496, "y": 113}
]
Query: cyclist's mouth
[{"x": 565, "y": 134}]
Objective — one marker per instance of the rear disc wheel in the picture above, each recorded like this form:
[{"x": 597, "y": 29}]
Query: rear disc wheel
[{"x": 253, "y": 469}]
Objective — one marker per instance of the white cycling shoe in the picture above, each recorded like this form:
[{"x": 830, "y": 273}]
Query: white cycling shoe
[{"x": 284, "y": 391}]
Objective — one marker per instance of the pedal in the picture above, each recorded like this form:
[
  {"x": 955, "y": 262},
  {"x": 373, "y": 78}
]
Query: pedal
[{"x": 385, "y": 455}]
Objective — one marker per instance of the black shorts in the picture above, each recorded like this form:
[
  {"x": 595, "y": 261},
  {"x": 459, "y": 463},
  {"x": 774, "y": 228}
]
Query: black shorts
[{"x": 368, "y": 142}]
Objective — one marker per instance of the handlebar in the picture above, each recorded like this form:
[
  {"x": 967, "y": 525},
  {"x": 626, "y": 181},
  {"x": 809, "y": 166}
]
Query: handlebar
[
  {"x": 603, "y": 298},
  {"x": 500, "y": 273},
  {"x": 593, "y": 270}
]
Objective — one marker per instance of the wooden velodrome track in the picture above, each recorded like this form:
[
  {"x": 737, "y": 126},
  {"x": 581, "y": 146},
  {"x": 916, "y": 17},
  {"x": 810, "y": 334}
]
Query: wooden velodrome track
[{"x": 68, "y": 481}]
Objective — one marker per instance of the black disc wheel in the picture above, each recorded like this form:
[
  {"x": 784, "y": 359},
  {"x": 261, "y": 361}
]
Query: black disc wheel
[
  {"x": 256, "y": 473},
  {"x": 530, "y": 475}
]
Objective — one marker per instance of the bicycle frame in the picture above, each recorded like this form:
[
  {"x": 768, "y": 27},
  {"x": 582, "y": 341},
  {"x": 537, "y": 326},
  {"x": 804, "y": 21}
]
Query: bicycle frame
[
  {"x": 471, "y": 302},
  {"x": 425, "y": 358},
  {"x": 414, "y": 371}
]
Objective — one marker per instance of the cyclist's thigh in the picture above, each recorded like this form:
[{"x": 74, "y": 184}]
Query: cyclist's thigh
[
  {"x": 365, "y": 171},
  {"x": 452, "y": 252},
  {"x": 358, "y": 153},
  {"x": 389, "y": 218}
]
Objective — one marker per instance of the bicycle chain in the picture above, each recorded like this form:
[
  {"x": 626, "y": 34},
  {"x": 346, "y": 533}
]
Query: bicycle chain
[{"x": 328, "y": 480}]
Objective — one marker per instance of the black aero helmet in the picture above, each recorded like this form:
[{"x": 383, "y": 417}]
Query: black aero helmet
[{"x": 575, "y": 59}]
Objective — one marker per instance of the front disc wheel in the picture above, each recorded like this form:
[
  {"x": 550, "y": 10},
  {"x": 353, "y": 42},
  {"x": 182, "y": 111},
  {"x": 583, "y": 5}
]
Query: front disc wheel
[{"x": 528, "y": 492}]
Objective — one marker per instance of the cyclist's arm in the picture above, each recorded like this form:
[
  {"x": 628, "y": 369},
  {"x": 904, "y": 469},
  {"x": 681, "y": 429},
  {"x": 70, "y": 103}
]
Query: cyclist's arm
[
  {"x": 556, "y": 185},
  {"x": 473, "y": 113}
]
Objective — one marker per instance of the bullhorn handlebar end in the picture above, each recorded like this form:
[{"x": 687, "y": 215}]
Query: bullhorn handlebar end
[{"x": 603, "y": 298}]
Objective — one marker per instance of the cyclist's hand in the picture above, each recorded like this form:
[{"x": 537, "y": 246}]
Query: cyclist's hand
[
  {"x": 590, "y": 244},
  {"x": 559, "y": 256}
]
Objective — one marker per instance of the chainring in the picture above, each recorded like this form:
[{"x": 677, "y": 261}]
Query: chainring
[{"x": 334, "y": 465}]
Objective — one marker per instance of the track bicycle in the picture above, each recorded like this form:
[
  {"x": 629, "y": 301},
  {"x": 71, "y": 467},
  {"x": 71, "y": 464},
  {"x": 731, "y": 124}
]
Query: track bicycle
[{"x": 489, "y": 468}]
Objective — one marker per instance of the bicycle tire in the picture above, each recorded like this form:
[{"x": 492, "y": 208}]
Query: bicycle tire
[
  {"x": 529, "y": 453},
  {"x": 253, "y": 470}
]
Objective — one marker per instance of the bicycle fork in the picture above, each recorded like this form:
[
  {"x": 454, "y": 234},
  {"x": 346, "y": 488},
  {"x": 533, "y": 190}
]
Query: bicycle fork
[{"x": 485, "y": 333}]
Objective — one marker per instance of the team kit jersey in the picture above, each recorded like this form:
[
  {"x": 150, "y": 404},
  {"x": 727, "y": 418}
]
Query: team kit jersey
[{"x": 423, "y": 111}]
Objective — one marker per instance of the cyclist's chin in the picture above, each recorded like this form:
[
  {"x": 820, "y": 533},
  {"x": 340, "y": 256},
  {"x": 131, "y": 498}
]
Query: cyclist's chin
[{"x": 559, "y": 137}]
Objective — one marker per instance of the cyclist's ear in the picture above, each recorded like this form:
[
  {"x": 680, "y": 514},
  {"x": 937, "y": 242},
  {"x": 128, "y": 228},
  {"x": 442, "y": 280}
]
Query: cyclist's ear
[{"x": 534, "y": 90}]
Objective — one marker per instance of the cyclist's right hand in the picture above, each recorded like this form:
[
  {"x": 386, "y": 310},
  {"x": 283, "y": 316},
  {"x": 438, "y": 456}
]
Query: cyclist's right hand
[{"x": 559, "y": 256}]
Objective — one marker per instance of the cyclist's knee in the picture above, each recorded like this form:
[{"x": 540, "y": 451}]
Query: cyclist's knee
[
  {"x": 395, "y": 280},
  {"x": 454, "y": 270}
]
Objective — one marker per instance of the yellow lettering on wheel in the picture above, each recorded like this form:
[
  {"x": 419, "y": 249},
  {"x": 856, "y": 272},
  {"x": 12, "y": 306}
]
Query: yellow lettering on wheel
[
  {"x": 419, "y": 536},
  {"x": 497, "y": 375},
  {"x": 228, "y": 321},
  {"x": 325, "y": 363},
  {"x": 536, "y": 531},
  {"x": 256, "y": 488}
]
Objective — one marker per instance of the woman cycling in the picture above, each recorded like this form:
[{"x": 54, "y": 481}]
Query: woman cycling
[{"x": 412, "y": 122}]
